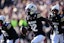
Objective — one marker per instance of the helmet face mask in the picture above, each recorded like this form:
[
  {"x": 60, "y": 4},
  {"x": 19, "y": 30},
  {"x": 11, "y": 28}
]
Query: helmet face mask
[{"x": 55, "y": 11}]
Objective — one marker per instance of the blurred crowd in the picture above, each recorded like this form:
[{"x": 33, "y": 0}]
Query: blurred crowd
[{"x": 14, "y": 10}]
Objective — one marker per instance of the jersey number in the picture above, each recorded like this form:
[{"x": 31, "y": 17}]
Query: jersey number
[{"x": 33, "y": 27}]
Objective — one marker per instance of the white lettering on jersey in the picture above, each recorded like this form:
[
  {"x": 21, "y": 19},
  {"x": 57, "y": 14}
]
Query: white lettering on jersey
[
  {"x": 33, "y": 25},
  {"x": 56, "y": 25}
]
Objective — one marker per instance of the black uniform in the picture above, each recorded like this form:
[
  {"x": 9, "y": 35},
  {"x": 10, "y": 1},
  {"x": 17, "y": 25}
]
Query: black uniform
[
  {"x": 10, "y": 31},
  {"x": 56, "y": 22},
  {"x": 36, "y": 24}
]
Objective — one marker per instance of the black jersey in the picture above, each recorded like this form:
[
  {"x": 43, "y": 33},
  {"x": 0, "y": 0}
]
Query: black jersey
[
  {"x": 56, "y": 22},
  {"x": 37, "y": 25},
  {"x": 10, "y": 31}
]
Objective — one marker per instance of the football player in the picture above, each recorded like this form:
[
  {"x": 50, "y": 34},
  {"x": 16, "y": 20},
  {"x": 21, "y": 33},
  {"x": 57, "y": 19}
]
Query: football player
[
  {"x": 35, "y": 23},
  {"x": 11, "y": 35},
  {"x": 55, "y": 18}
]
